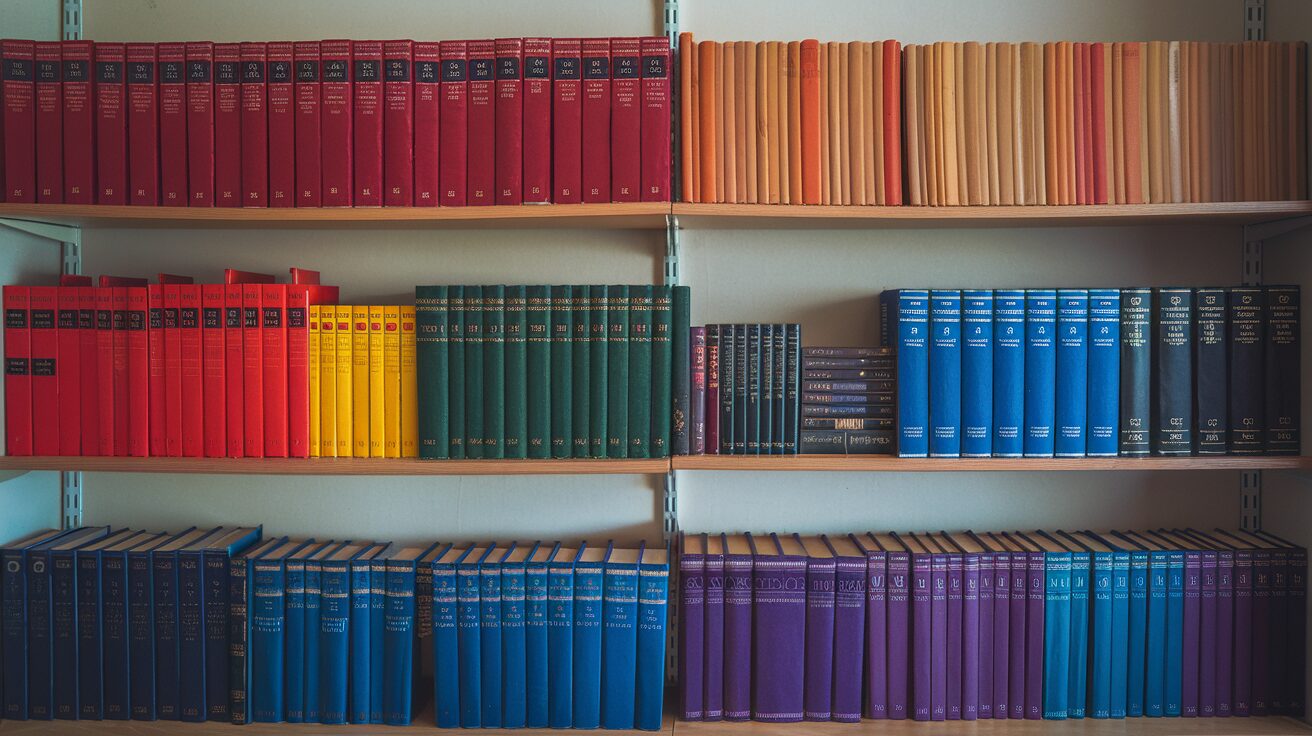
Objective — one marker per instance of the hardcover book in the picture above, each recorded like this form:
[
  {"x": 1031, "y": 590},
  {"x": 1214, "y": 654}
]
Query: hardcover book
[
  {"x": 281, "y": 75},
  {"x": 1008, "y": 372},
  {"x": 309, "y": 103},
  {"x": 426, "y": 134},
  {"x": 111, "y": 125},
  {"x": 368, "y": 110},
  {"x": 510, "y": 121},
  {"x": 1040, "y": 371},
  {"x": 481, "y": 148},
  {"x": 49, "y": 104},
  {"x": 200, "y": 123},
  {"x": 255, "y": 117},
  {"x": 143, "y": 119},
  {"x": 336, "y": 111},
  {"x": 79, "y": 123},
  {"x": 945, "y": 373},
  {"x": 778, "y": 655},
  {"x": 566, "y": 121},
  {"x": 1136, "y": 362},
  {"x": 172, "y": 100},
  {"x": 227, "y": 125},
  {"x": 596, "y": 119},
  {"x": 454, "y": 120},
  {"x": 1071, "y": 408},
  {"x": 977, "y": 373},
  {"x": 1173, "y": 378}
]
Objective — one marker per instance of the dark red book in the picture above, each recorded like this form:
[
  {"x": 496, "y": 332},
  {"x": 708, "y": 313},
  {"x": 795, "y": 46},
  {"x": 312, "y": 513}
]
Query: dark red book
[
  {"x": 155, "y": 357},
  {"x": 173, "y": 124},
  {"x": 453, "y": 155},
  {"x": 69, "y": 364},
  {"x": 213, "y": 363},
  {"x": 252, "y": 339},
  {"x": 566, "y": 121},
  {"x": 367, "y": 123},
  {"x": 227, "y": 125},
  {"x": 105, "y": 368},
  {"x": 655, "y": 118},
  {"x": 398, "y": 124},
  {"x": 537, "y": 120},
  {"x": 254, "y": 125},
  {"x": 172, "y": 369},
  {"x": 200, "y": 123},
  {"x": 892, "y": 130},
  {"x": 193, "y": 384},
  {"x": 481, "y": 189},
  {"x": 335, "y": 125},
  {"x": 273, "y": 306},
  {"x": 298, "y": 370},
  {"x": 111, "y": 125},
  {"x": 625, "y": 119},
  {"x": 121, "y": 380},
  {"x": 43, "y": 307},
  {"x": 1098, "y": 112},
  {"x": 510, "y": 121},
  {"x": 49, "y": 123},
  {"x": 309, "y": 166},
  {"x": 596, "y": 119},
  {"x": 282, "y": 125},
  {"x": 143, "y": 124},
  {"x": 88, "y": 352},
  {"x": 79, "y": 124},
  {"x": 234, "y": 370},
  {"x": 18, "y": 371},
  {"x": 138, "y": 424},
  {"x": 427, "y": 132},
  {"x": 19, "y": 125}
]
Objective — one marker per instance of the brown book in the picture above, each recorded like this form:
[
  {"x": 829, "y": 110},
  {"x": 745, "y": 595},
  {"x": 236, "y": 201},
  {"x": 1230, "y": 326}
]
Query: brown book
[
  {"x": 729, "y": 97},
  {"x": 1066, "y": 84},
  {"x": 1176, "y": 125},
  {"x": 740, "y": 126},
  {"x": 795, "y": 122},
  {"x": 1250, "y": 135},
  {"x": 1116, "y": 152},
  {"x": 687, "y": 113},
  {"x": 934, "y": 122},
  {"x": 810, "y": 121},
  {"x": 825, "y": 183},
  {"x": 993, "y": 123},
  {"x": 749, "y": 120},
  {"x": 912, "y": 124},
  {"x": 833, "y": 120},
  {"x": 706, "y": 119},
  {"x": 1299, "y": 117},
  {"x": 777, "y": 162},
  {"x": 857, "y": 91},
  {"x": 1106, "y": 92},
  {"x": 958, "y": 121},
  {"x": 1145, "y": 132},
  {"x": 1080, "y": 138},
  {"x": 1024, "y": 181},
  {"x": 1239, "y": 112},
  {"x": 1002, "y": 163},
  {"x": 763, "y": 163},
  {"x": 948, "y": 123},
  {"x": 977, "y": 124},
  {"x": 785, "y": 127},
  {"x": 874, "y": 124},
  {"x": 1190, "y": 153},
  {"x": 1051, "y": 123},
  {"x": 1039, "y": 114},
  {"x": 721, "y": 186},
  {"x": 1158, "y": 188},
  {"x": 844, "y": 127}
]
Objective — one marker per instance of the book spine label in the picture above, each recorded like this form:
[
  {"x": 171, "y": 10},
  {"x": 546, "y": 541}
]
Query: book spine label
[
  {"x": 1173, "y": 384},
  {"x": 254, "y": 125},
  {"x": 367, "y": 112},
  {"x": 1040, "y": 371},
  {"x": 911, "y": 316},
  {"x": 566, "y": 119},
  {"x": 1211, "y": 425},
  {"x": 427, "y": 92},
  {"x": 510, "y": 121},
  {"x": 1136, "y": 361},
  {"x": 111, "y": 125},
  {"x": 49, "y": 122},
  {"x": 976, "y": 373},
  {"x": 1071, "y": 408},
  {"x": 454, "y": 118},
  {"x": 599, "y": 368},
  {"x": 596, "y": 113},
  {"x": 481, "y": 149},
  {"x": 335, "y": 135},
  {"x": 79, "y": 124},
  {"x": 173, "y": 111},
  {"x": 398, "y": 124},
  {"x": 200, "y": 123},
  {"x": 227, "y": 125},
  {"x": 655, "y": 118},
  {"x": 44, "y": 347},
  {"x": 945, "y": 374},
  {"x": 560, "y": 649},
  {"x": 309, "y": 108},
  {"x": 625, "y": 119},
  {"x": 252, "y": 371},
  {"x": 1283, "y": 365},
  {"x": 143, "y": 118},
  {"x": 234, "y": 379},
  {"x": 817, "y": 695},
  {"x": 1104, "y": 341},
  {"x": 282, "y": 124}
]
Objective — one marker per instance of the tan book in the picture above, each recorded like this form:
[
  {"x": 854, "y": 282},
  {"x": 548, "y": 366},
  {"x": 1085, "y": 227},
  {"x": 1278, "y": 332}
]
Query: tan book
[
  {"x": 872, "y": 87},
  {"x": 1051, "y": 123},
  {"x": 911, "y": 124},
  {"x": 687, "y": 114},
  {"x": 934, "y": 122},
  {"x": 1194, "y": 159},
  {"x": 777, "y": 162},
  {"x": 785, "y": 125},
  {"x": 1000, "y": 147},
  {"x": 833, "y": 121},
  {"x": 795, "y": 122},
  {"x": 825, "y": 179},
  {"x": 747, "y": 118},
  {"x": 843, "y": 152},
  {"x": 1145, "y": 153},
  {"x": 1212, "y": 123},
  {"x": 993, "y": 123},
  {"x": 762, "y": 98},
  {"x": 740, "y": 125},
  {"x": 706, "y": 119},
  {"x": 875, "y": 122},
  {"x": 1106, "y": 92},
  {"x": 1038, "y": 147},
  {"x": 925, "y": 124},
  {"x": 1116, "y": 153},
  {"x": 948, "y": 123},
  {"x": 1156, "y": 107},
  {"x": 972, "y": 124},
  {"x": 1175, "y": 120},
  {"x": 1022, "y": 184},
  {"x": 720, "y": 140},
  {"x": 958, "y": 121},
  {"x": 857, "y": 86},
  {"x": 728, "y": 98}
]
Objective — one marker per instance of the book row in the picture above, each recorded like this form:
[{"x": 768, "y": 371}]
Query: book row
[
  {"x": 336, "y": 123},
  {"x": 850, "y": 401},
  {"x": 1012, "y": 625},
  {"x": 1096, "y": 372},
  {"x": 552, "y": 371},
  {"x": 746, "y": 388}
]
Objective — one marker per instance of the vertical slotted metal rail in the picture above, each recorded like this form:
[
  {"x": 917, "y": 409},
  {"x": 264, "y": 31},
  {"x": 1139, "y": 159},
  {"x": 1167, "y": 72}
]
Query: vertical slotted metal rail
[
  {"x": 70, "y": 262},
  {"x": 1250, "y": 481},
  {"x": 670, "y": 488}
]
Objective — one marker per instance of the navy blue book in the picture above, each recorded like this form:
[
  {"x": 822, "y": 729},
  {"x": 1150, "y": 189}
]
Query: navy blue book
[
  {"x": 1136, "y": 371},
  {"x": 560, "y": 639},
  {"x": 976, "y": 373},
  {"x": 1210, "y": 363},
  {"x": 335, "y": 616},
  {"x": 489, "y": 624},
  {"x": 778, "y": 387},
  {"x": 268, "y": 630},
  {"x": 1071, "y": 409},
  {"x": 377, "y": 629},
  {"x": 1008, "y": 372},
  {"x": 468, "y": 637},
  {"x": 535, "y": 634},
  {"x": 13, "y": 621},
  {"x": 293, "y": 640},
  {"x": 1173, "y": 377},
  {"x": 752, "y": 399},
  {"x": 619, "y": 639},
  {"x": 1283, "y": 371},
  {"x": 905, "y": 314},
  {"x": 653, "y": 594},
  {"x": 1104, "y": 372},
  {"x": 141, "y": 626},
  {"x": 589, "y": 571},
  {"x": 180, "y": 665},
  {"x": 361, "y": 639},
  {"x": 514, "y": 705},
  {"x": 399, "y": 637},
  {"x": 97, "y": 573},
  {"x": 792, "y": 386},
  {"x": 51, "y": 624},
  {"x": 216, "y": 612},
  {"x": 313, "y": 660},
  {"x": 64, "y": 613},
  {"x": 446, "y": 660},
  {"x": 1246, "y": 329},
  {"x": 240, "y": 606},
  {"x": 1040, "y": 371},
  {"x": 945, "y": 373}
]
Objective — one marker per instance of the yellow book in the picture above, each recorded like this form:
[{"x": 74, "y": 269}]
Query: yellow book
[
  {"x": 327, "y": 381},
  {"x": 314, "y": 380},
  {"x": 376, "y": 401},
  {"x": 392, "y": 381},
  {"x": 345, "y": 425},
  {"x": 409, "y": 384},
  {"x": 360, "y": 381}
]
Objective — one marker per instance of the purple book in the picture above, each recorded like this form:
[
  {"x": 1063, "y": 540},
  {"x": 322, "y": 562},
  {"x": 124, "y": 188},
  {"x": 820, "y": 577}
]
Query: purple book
[
  {"x": 1262, "y": 619},
  {"x": 956, "y": 618},
  {"x": 692, "y": 606},
  {"x": 779, "y": 641},
  {"x": 986, "y": 606},
  {"x": 1016, "y": 631},
  {"x": 737, "y": 628},
  {"x": 1193, "y": 592},
  {"x": 1207, "y": 644},
  {"x": 697, "y": 399},
  {"x": 969, "y": 624},
  {"x": 1226, "y": 606},
  {"x": 817, "y": 703},
  {"x": 938, "y": 644},
  {"x": 1001, "y": 633},
  {"x": 849, "y": 627},
  {"x": 1034, "y": 580},
  {"x": 1279, "y": 679},
  {"x": 1295, "y": 636},
  {"x": 876, "y": 650},
  {"x": 898, "y": 581},
  {"x": 921, "y": 629},
  {"x": 713, "y": 633},
  {"x": 1242, "y": 633}
]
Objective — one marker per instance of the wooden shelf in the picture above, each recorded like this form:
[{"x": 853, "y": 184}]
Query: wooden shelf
[
  {"x": 889, "y": 464},
  {"x": 335, "y": 466}
]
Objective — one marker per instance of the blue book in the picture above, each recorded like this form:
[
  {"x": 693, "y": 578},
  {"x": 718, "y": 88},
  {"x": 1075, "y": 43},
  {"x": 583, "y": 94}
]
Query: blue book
[
  {"x": 1136, "y": 685},
  {"x": 187, "y": 654},
  {"x": 335, "y": 630},
  {"x": 240, "y": 600},
  {"x": 1071, "y": 407},
  {"x": 361, "y": 642},
  {"x": 1008, "y": 372},
  {"x": 1056, "y": 626},
  {"x": 64, "y": 613},
  {"x": 377, "y": 630},
  {"x": 116, "y": 672},
  {"x": 1081, "y": 562},
  {"x": 619, "y": 638},
  {"x": 13, "y": 622},
  {"x": 1098, "y": 642},
  {"x": 293, "y": 639},
  {"x": 1040, "y": 370},
  {"x": 313, "y": 658},
  {"x": 141, "y": 627},
  {"x": 215, "y": 622},
  {"x": 93, "y": 606},
  {"x": 446, "y": 657},
  {"x": 268, "y": 630},
  {"x": 905, "y": 312},
  {"x": 400, "y": 631},
  {"x": 589, "y": 577},
  {"x": 514, "y": 705},
  {"x": 489, "y": 636},
  {"x": 535, "y": 634},
  {"x": 1174, "y": 697},
  {"x": 1120, "y": 632},
  {"x": 1104, "y": 372},
  {"x": 653, "y": 594},
  {"x": 51, "y": 630},
  {"x": 468, "y": 637},
  {"x": 1155, "y": 574},
  {"x": 976, "y": 373},
  {"x": 560, "y": 639},
  {"x": 945, "y": 373}
]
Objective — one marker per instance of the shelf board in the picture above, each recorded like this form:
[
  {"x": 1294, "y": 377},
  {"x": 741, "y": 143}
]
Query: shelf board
[
  {"x": 1269, "y": 726},
  {"x": 888, "y": 463},
  {"x": 335, "y": 466}
]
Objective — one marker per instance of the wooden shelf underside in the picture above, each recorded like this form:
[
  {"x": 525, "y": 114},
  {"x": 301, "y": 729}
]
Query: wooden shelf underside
[{"x": 886, "y": 463}]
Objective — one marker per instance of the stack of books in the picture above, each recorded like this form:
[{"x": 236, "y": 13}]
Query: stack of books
[
  {"x": 745, "y": 388},
  {"x": 851, "y": 414},
  {"x": 964, "y": 626}
]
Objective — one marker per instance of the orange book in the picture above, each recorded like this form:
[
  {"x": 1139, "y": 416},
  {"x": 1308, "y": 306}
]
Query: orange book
[
  {"x": 931, "y": 83},
  {"x": 1035, "y": 130},
  {"x": 833, "y": 122},
  {"x": 1145, "y": 133},
  {"x": 844, "y": 127},
  {"x": 686, "y": 173},
  {"x": 729, "y": 98},
  {"x": 892, "y": 126},
  {"x": 875, "y": 122},
  {"x": 823, "y": 57},
  {"x": 720, "y": 140},
  {"x": 1068, "y": 115},
  {"x": 1010, "y": 159},
  {"x": 794, "y": 72},
  {"x": 778, "y": 158},
  {"x": 763, "y": 164},
  {"x": 1105, "y": 49},
  {"x": 706, "y": 118},
  {"x": 1159, "y": 156},
  {"x": 749, "y": 119},
  {"x": 869, "y": 91},
  {"x": 693, "y": 102},
  {"x": 740, "y": 126},
  {"x": 1116, "y": 103},
  {"x": 1051, "y": 123},
  {"x": 913, "y": 126},
  {"x": 976, "y": 175},
  {"x": 810, "y": 121},
  {"x": 1130, "y": 123},
  {"x": 856, "y": 106},
  {"x": 1078, "y": 139},
  {"x": 958, "y": 122}
]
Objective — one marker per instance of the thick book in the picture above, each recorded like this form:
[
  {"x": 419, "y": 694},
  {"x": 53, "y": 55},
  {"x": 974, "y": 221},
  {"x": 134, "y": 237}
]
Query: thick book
[
  {"x": 1283, "y": 366},
  {"x": 535, "y": 634},
  {"x": 336, "y": 616},
  {"x": 1210, "y": 364},
  {"x": 619, "y": 638},
  {"x": 309, "y": 109},
  {"x": 561, "y": 372},
  {"x": 737, "y": 629},
  {"x": 945, "y": 373},
  {"x": 200, "y": 123},
  {"x": 566, "y": 121},
  {"x": 18, "y": 371},
  {"x": 494, "y": 372},
  {"x": 268, "y": 631},
  {"x": 510, "y": 121},
  {"x": 359, "y": 632},
  {"x": 1056, "y": 626},
  {"x": 94, "y": 605},
  {"x": 1136, "y": 367},
  {"x": 560, "y": 639},
  {"x": 240, "y": 601},
  {"x": 336, "y": 113},
  {"x": 692, "y": 626},
  {"x": 234, "y": 371},
  {"x": 662, "y": 408},
  {"x": 111, "y": 124},
  {"x": 1040, "y": 371},
  {"x": 172, "y": 101},
  {"x": 227, "y": 125},
  {"x": 446, "y": 648},
  {"x": 481, "y": 143},
  {"x": 297, "y": 365},
  {"x": 817, "y": 697},
  {"x": 589, "y": 566},
  {"x": 1246, "y": 351},
  {"x": 432, "y": 340},
  {"x": 595, "y": 57},
  {"x": 922, "y": 628},
  {"x": 1104, "y": 364},
  {"x": 581, "y": 371},
  {"x": 599, "y": 304},
  {"x": 656, "y": 74},
  {"x": 778, "y": 654},
  {"x": 399, "y": 626},
  {"x": 69, "y": 371},
  {"x": 1173, "y": 379},
  {"x": 537, "y": 120},
  {"x": 191, "y": 370},
  {"x": 1071, "y": 407},
  {"x": 254, "y": 191},
  {"x": 626, "y": 111},
  {"x": 514, "y": 694},
  {"x": 48, "y": 73},
  {"x": 218, "y": 612},
  {"x": 642, "y": 349},
  {"x": 426, "y": 130},
  {"x": 898, "y": 584},
  {"x": 653, "y": 596},
  {"x": 19, "y": 121},
  {"x": 976, "y": 373},
  {"x": 143, "y": 118},
  {"x": 52, "y": 624},
  {"x": 850, "y": 621},
  {"x": 367, "y": 119},
  {"x": 907, "y": 316},
  {"x": 489, "y": 637},
  {"x": 79, "y": 126},
  {"x": 873, "y": 656},
  {"x": 281, "y": 75},
  {"x": 44, "y": 341},
  {"x": 538, "y": 361},
  {"x": 453, "y": 148}
]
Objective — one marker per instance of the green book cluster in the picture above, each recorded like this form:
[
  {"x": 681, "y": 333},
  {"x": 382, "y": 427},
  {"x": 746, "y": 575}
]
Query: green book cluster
[{"x": 574, "y": 371}]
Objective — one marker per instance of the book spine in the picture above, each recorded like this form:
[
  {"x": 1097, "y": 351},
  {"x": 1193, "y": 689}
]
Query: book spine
[
  {"x": 143, "y": 117},
  {"x": 625, "y": 119},
  {"x": 481, "y": 148},
  {"x": 40, "y": 649},
  {"x": 1136, "y": 361},
  {"x": 984, "y": 634},
  {"x": 427, "y": 74},
  {"x": 1040, "y": 371},
  {"x": 595, "y": 59},
  {"x": 398, "y": 645},
  {"x": 663, "y": 408},
  {"x": 692, "y": 629},
  {"x": 474, "y": 338},
  {"x": 1103, "y": 645},
  {"x": 643, "y": 322},
  {"x": 1104, "y": 346},
  {"x": 1174, "y": 666},
  {"x": 70, "y": 371},
  {"x": 398, "y": 153},
  {"x": 817, "y": 697},
  {"x": 514, "y": 694},
  {"x": 737, "y": 637},
  {"x": 780, "y": 635},
  {"x": 191, "y": 681},
  {"x": 1155, "y": 637},
  {"x": 165, "y": 581},
  {"x": 727, "y": 375},
  {"x": 253, "y": 344},
  {"x": 359, "y": 643},
  {"x": 561, "y": 372},
  {"x": 254, "y": 124},
  {"x": 1057, "y": 635},
  {"x": 560, "y": 649},
  {"x": 655, "y": 118},
  {"x": 267, "y": 636},
  {"x": 977, "y": 373},
  {"x": 619, "y": 645},
  {"x": 679, "y": 377},
  {"x": 581, "y": 371},
  {"x": 876, "y": 634},
  {"x": 535, "y": 645},
  {"x": 1283, "y": 399},
  {"x": 599, "y": 369},
  {"x": 297, "y": 362},
  {"x": 345, "y": 381},
  {"x": 1208, "y": 645},
  {"x": 588, "y": 583},
  {"x": 1226, "y": 611},
  {"x": 155, "y": 378},
  {"x": 282, "y": 124},
  {"x": 783, "y": 393},
  {"x": 367, "y": 113},
  {"x": 1173, "y": 385},
  {"x": 234, "y": 372},
  {"x": 938, "y": 638},
  {"x": 1001, "y": 635},
  {"x": 44, "y": 342},
  {"x": 697, "y": 394},
  {"x": 945, "y": 374},
  {"x": 1071, "y": 405},
  {"x": 336, "y": 115},
  {"x": 237, "y": 640},
  {"x": 653, "y": 596},
  {"x": 88, "y": 696},
  {"x": 173, "y": 155},
  {"x": 453, "y": 155},
  {"x": 217, "y": 619},
  {"x": 111, "y": 126},
  {"x": 1016, "y": 637},
  {"x": 213, "y": 364},
  {"x": 469, "y": 644},
  {"x": 18, "y": 371},
  {"x": 922, "y": 628},
  {"x": 1120, "y": 633},
  {"x": 1211, "y": 428},
  {"x": 141, "y": 637},
  {"x": 510, "y": 121},
  {"x": 743, "y": 390},
  {"x": 309, "y": 117},
  {"x": 368, "y": 383},
  {"x": 1191, "y": 630},
  {"x": 119, "y": 370},
  {"x": 79, "y": 127},
  {"x": 1034, "y": 617},
  {"x": 538, "y": 352},
  {"x": 63, "y": 634},
  {"x": 138, "y": 375},
  {"x": 227, "y": 125},
  {"x": 431, "y": 308},
  {"x": 849, "y": 638},
  {"x": 957, "y": 667},
  {"x": 456, "y": 369},
  {"x": 192, "y": 371},
  {"x": 538, "y": 95},
  {"x": 446, "y": 659},
  {"x": 753, "y": 382},
  {"x": 115, "y": 675},
  {"x": 1246, "y": 338},
  {"x": 49, "y": 122},
  {"x": 335, "y": 617},
  {"x": 898, "y": 580},
  {"x": 710, "y": 402},
  {"x": 911, "y": 317},
  {"x": 567, "y": 123},
  {"x": 377, "y": 633},
  {"x": 200, "y": 123}
]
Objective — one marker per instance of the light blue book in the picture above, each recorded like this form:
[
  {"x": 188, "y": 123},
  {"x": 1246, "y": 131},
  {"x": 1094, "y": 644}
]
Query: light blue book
[
  {"x": 589, "y": 572},
  {"x": 560, "y": 639},
  {"x": 377, "y": 631},
  {"x": 945, "y": 373},
  {"x": 1081, "y": 562},
  {"x": 1056, "y": 626},
  {"x": 535, "y": 633},
  {"x": 1071, "y": 409},
  {"x": 653, "y": 596},
  {"x": 269, "y": 632},
  {"x": 1099, "y": 643},
  {"x": 619, "y": 639},
  {"x": 360, "y": 640},
  {"x": 1040, "y": 371},
  {"x": 294, "y": 641},
  {"x": 468, "y": 637},
  {"x": 489, "y": 636}
]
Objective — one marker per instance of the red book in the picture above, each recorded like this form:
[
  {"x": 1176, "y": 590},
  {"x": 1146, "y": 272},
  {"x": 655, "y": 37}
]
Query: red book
[
  {"x": 233, "y": 276},
  {"x": 44, "y": 346},
  {"x": 88, "y": 352},
  {"x": 428, "y": 90},
  {"x": 625, "y": 120},
  {"x": 227, "y": 125},
  {"x": 213, "y": 379},
  {"x": 454, "y": 117},
  {"x": 138, "y": 429},
  {"x": 105, "y": 369},
  {"x": 596, "y": 120},
  {"x": 119, "y": 367},
  {"x": 298, "y": 370},
  {"x": 234, "y": 370},
  {"x": 398, "y": 125},
  {"x": 49, "y": 123},
  {"x": 655, "y": 118},
  {"x": 254, "y": 125},
  {"x": 79, "y": 125},
  {"x": 367, "y": 122},
  {"x": 143, "y": 125},
  {"x": 172, "y": 370},
  {"x": 1081, "y": 139},
  {"x": 200, "y": 123},
  {"x": 303, "y": 275},
  {"x": 510, "y": 121},
  {"x": 155, "y": 358},
  {"x": 193, "y": 384},
  {"x": 335, "y": 124},
  {"x": 252, "y": 339},
  {"x": 18, "y": 371},
  {"x": 282, "y": 126},
  {"x": 308, "y": 103},
  {"x": 173, "y": 124},
  {"x": 566, "y": 122},
  {"x": 273, "y": 304},
  {"x": 1098, "y": 112},
  {"x": 537, "y": 120},
  {"x": 892, "y": 123},
  {"x": 69, "y": 364},
  {"x": 19, "y": 126},
  {"x": 111, "y": 126},
  {"x": 482, "y": 164}
]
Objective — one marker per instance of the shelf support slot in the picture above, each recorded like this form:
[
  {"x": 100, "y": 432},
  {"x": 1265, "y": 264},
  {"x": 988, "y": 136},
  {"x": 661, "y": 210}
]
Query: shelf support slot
[
  {"x": 671, "y": 250},
  {"x": 670, "y": 534},
  {"x": 70, "y": 499},
  {"x": 1250, "y": 500},
  {"x": 671, "y": 28},
  {"x": 1254, "y": 20},
  {"x": 72, "y": 20}
]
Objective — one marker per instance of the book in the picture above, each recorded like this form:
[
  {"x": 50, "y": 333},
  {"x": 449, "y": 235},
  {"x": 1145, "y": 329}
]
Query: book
[
  {"x": 779, "y": 627},
  {"x": 510, "y": 70},
  {"x": 227, "y": 125},
  {"x": 255, "y": 115},
  {"x": 489, "y": 633},
  {"x": 111, "y": 123},
  {"x": 566, "y": 117},
  {"x": 398, "y": 112},
  {"x": 514, "y": 709},
  {"x": 642, "y": 349},
  {"x": 432, "y": 371},
  {"x": 906, "y": 314},
  {"x": 626, "y": 111},
  {"x": 335, "y": 124},
  {"x": 581, "y": 307},
  {"x": 69, "y": 373},
  {"x": 481, "y": 144},
  {"x": 589, "y": 565},
  {"x": 1173, "y": 372},
  {"x": 1040, "y": 371},
  {"x": 619, "y": 638},
  {"x": 1282, "y": 370},
  {"x": 538, "y": 98},
  {"x": 817, "y": 704},
  {"x": 426, "y": 126},
  {"x": 595, "y": 93},
  {"x": 560, "y": 638},
  {"x": 676, "y": 426},
  {"x": 945, "y": 374},
  {"x": 598, "y": 368},
  {"x": 368, "y": 110},
  {"x": 446, "y": 659},
  {"x": 308, "y": 92},
  {"x": 561, "y": 400},
  {"x": 1008, "y": 372},
  {"x": 536, "y": 607},
  {"x": 977, "y": 373},
  {"x": 143, "y": 120},
  {"x": 1210, "y": 361},
  {"x": 1071, "y": 407},
  {"x": 48, "y": 75},
  {"x": 692, "y": 626},
  {"x": 655, "y": 51},
  {"x": 539, "y": 351},
  {"x": 281, "y": 75},
  {"x": 214, "y": 358},
  {"x": 653, "y": 592}
]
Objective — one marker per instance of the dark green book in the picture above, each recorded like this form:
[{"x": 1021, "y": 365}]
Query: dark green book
[
  {"x": 778, "y": 388},
  {"x": 662, "y": 408},
  {"x": 516, "y": 334},
  {"x": 431, "y": 373},
  {"x": 728, "y": 371},
  {"x": 617, "y": 369},
  {"x": 494, "y": 371},
  {"x": 562, "y": 373},
  {"x": 640, "y": 306},
  {"x": 455, "y": 360},
  {"x": 581, "y": 316},
  {"x": 474, "y": 372},
  {"x": 765, "y": 402},
  {"x": 792, "y": 386},
  {"x": 681, "y": 366},
  {"x": 752, "y": 437},
  {"x": 740, "y": 389},
  {"x": 597, "y": 401},
  {"x": 539, "y": 371}
]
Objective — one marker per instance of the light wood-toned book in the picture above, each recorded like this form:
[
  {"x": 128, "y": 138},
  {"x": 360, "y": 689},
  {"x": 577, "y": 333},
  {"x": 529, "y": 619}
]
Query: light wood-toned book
[
  {"x": 728, "y": 98},
  {"x": 1108, "y": 163},
  {"x": 740, "y": 121},
  {"x": 1145, "y": 151},
  {"x": 785, "y": 125},
  {"x": 762, "y": 98},
  {"x": 720, "y": 140},
  {"x": 794, "y": 122},
  {"x": 833, "y": 121},
  {"x": 973, "y": 124},
  {"x": 777, "y": 161},
  {"x": 912, "y": 123},
  {"x": 1156, "y": 107},
  {"x": 1116, "y": 153},
  {"x": 872, "y": 89},
  {"x": 1174, "y": 120},
  {"x": 933, "y": 54},
  {"x": 856, "y": 104},
  {"x": 845, "y": 119},
  {"x": 1022, "y": 186},
  {"x": 1003, "y": 151},
  {"x": 1051, "y": 123},
  {"x": 706, "y": 118},
  {"x": 811, "y": 163},
  {"x": 825, "y": 178},
  {"x": 948, "y": 123},
  {"x": 1212, "y": 124},
  {"x": 1068, "y": 112},
  {"x": 958, "y": 121},
  {"x": 993, "y": 123},
  {"x": 978, "y": 73},
  {"x": 687, "y": 113},
  {"x": 750, "y": 134}
]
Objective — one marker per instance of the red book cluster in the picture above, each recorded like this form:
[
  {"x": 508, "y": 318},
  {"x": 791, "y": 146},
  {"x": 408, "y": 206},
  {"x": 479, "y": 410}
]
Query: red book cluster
[
  {"x": 173, "y": 369},
  {"x": 336, "y": 123}
]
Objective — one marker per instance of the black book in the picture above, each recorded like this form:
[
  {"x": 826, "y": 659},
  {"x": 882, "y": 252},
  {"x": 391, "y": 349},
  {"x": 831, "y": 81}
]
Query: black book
[
  {"x": 1136, "y": 359},
  {"x": 724, "y": 339},
  {"x": 1245, "y": 334},
  {"x": 1210, "y": 379},
  {"x": 1282, "y": 370},
  {"x": 740, "y": 389},
  {"x": 1173, "y": 379},
  {"x": 778, "y": 387},
  {"x": 792, "y": 386},
  {"x": 754, "y": 385},
  {"x": 766, "y": 399}
]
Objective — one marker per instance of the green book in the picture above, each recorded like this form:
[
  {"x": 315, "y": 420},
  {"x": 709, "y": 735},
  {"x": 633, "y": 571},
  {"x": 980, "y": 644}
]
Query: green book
[
  {"x": 562, "y": 372},
  {"x": 516, "y": 334},
  {"x": 539, "y": 371},
  {"x": 455, "y": 360},
  {"x": 581, "y": 307},
  {"x": 431, "y": 371},
  {"x": 474, "y": 372},
  {"x": 681, "y": 371},
  {"x": 597, "y": 383},
  {"x": 494, "y": 371},
  {"x": 617, "y": 369},
  {"x": 640, "y": 343},
  {"x": 662, "y": 406}
]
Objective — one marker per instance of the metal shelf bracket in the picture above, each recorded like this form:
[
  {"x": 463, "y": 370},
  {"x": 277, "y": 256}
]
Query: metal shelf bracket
[
  {"x": 72, "y": 20},
  {"x": 1250, "y": 500},
  {"x": 70, "y": 499},
  {"x": 47, "y": 230},
  {"x": 1254, "y": 20},
  {"x": 670, "y": 534},
  {"x": 671, "y": 250}
]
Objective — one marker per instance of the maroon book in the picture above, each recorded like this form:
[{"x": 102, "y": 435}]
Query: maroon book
[
  {"x": 537, "y": 120},
  {"x": 254, "y": 124},
  {"x": 282, "y": 125},
  {"x": 367, "y": 122},
  {"x": 428, "y": 105},
  {"x": 200, "y": 122},
  {"x": 19, "y": 120},
  {"x": 49, "y": 123},
  {"x": 143, "y": 124},
  {"x": 227, "y": 125},
  {"x": 172, "y": 73},
  {"x": 308, "y": 106},
  {"x": 510, "y": 121},
  {"x": 697, "y": 402},
  {"x": 335, "y": 123},
  {"x": 454, "y": 117},
  {"x": 79, "y": 124},
  {"x": 711, "y": 407},
  {"x": 596, "y": 119},
  {"x": 625, "y": 120},
  {"x": 481, "y": 189},
  {"x": 655, "y": 119},
  {"x": 111, "y": 127},
  {"x": 567, "y": 123},
  {"x": 398, "y": 124}
]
